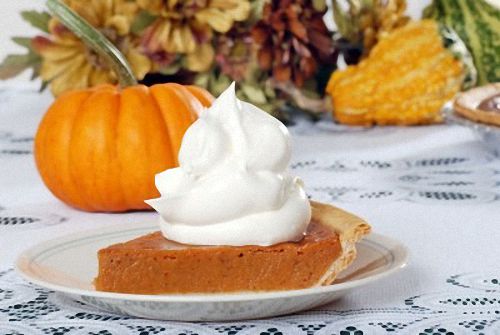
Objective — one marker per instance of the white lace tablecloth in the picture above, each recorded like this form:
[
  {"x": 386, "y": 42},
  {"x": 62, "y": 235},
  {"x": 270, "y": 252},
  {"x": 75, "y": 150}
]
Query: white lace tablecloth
[{"x": 434, "y": 188}]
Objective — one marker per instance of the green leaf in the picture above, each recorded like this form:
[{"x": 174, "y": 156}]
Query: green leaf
[
  {"x": 319, "y": 5},
  {"x": 13, "y": 65},
  {"x": 142, "y": 21},
  {"x": 171, "y": 69},
  {"x": 202, "y": 80},
  {"x": 43, "y": 86},
  {"x": 269, "y": 90},
  {"x": 36, "y": 69},
  {"x": 254, "y": 93},
  {"x": 256, "y": 9},
  {"x": 344, "y": 22},
  {"x": 38, "y": 20},
  {"x": 23, "y": 41},
  {"x": 219, "y": 84},
  {"x": 430, "y": 11}
]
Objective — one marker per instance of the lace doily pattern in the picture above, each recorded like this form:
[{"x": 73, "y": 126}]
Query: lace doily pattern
[
  {"x": 469, "y": 305},
  {"x": 427, "y": 180},
  {"x": 437, "y": 171},
  {"x": 11, "y": 145}
]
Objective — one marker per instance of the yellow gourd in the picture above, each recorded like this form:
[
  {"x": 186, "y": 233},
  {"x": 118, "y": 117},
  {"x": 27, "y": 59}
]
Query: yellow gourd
[{"x": 406, "y": 79}]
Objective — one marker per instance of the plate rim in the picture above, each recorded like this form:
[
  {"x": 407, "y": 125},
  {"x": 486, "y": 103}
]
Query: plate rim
[
  {"x": 452, "y": 117},
  {"x": 23, "y": 259}
]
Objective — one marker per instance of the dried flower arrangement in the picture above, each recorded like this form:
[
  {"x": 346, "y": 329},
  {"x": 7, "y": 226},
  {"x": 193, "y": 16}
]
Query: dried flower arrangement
[
  {"x": 275, "y": 49},
  {"x": 280, "y": 51}
]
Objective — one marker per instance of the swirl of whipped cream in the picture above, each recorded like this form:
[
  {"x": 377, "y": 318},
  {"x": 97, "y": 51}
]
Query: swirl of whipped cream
[{"x": 232, "y": 186}]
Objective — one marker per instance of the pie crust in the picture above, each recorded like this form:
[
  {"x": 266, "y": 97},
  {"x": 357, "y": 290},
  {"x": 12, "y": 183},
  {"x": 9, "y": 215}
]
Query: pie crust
[{"x": 466, "y": 102}]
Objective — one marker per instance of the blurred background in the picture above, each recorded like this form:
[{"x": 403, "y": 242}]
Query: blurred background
[
  {"x": 285, "y": 55},
  {"x": 12, "y": 25}
]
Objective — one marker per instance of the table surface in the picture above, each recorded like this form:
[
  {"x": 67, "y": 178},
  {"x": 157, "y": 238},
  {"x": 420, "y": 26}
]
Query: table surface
[{"x": 435, "y": 188}]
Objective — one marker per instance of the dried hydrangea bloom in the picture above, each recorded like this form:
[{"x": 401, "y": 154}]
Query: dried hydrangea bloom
[{"x": 292, "y": 39}]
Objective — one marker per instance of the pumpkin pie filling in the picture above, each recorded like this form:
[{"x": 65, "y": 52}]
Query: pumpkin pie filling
[{"x": 152, "y": 264}]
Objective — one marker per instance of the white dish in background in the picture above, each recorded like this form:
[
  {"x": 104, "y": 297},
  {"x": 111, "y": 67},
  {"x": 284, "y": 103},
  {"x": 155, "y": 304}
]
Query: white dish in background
[
  {"x": 69, "y": 264},
  {"x": 489, "y": 134}
]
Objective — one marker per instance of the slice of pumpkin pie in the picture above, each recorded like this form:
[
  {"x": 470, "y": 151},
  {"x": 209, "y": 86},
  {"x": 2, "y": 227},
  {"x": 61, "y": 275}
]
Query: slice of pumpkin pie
[
  {"x": 231, "y": 216},
  {"x": 152, "y": 264}
]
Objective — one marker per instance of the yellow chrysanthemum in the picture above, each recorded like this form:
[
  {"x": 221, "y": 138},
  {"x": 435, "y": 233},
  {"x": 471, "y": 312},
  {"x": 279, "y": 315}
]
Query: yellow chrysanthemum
[
  {"x": 186, "y": 27},
  {"x": 67, "y": 63}
]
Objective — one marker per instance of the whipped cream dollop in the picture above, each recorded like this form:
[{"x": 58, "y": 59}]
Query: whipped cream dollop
[{"x": 232, "y": 186}]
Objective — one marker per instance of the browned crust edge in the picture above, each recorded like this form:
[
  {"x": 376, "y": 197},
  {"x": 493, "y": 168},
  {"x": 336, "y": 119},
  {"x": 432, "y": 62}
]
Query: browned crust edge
[
  {"x": 351, "y": 229},
  {"x": 477, "y": 115}
]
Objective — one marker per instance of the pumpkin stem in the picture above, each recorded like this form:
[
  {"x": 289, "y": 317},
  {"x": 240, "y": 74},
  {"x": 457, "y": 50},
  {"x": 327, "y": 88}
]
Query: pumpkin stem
[{"x": 95, "y": 40}]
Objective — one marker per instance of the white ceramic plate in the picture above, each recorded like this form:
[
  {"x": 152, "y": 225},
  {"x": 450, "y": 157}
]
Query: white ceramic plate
[{"x": 69, "y": 264}]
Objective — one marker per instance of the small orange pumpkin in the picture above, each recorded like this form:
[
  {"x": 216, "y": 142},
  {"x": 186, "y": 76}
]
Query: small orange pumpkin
[{"x": 98, "y": 149}]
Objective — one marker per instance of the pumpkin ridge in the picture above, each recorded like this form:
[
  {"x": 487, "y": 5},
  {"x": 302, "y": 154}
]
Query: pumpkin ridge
[
  {"x": 71, "y": 178},
  {"x": 128, "y": 202},
  {"x": 86, "y": 175},
  {"x": 118, "y": 162},
  {"x": 192, "y": 108},
  {"x": 141, "y": 164},
  {"x": 166, "y": 122},
  {"x": 159, "y": 109},
  {"x": 171, "y": 158},
  {"x": 189, "y": 99},
  {"x": 201, "y": 94},
  {"x": 174, "y": 109},
  {"x": 54, "y": 178},
  {"x": 114, "y": 178}
]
